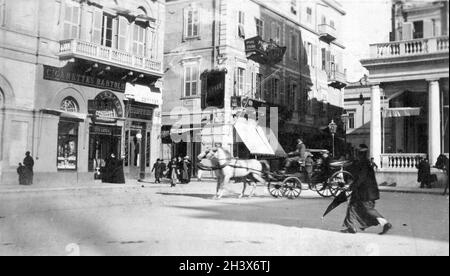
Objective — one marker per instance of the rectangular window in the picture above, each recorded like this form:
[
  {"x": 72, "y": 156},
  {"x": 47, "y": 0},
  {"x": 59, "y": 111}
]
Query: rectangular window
[
  {"x": 139, "y": 36},
  {"x": 309, "y": 15},
  {"x": 417, "y": 29},
  {"x": 324, "y": 59},
  {"x": 2, "y": 12},
  {"x": 259, "y": 27},
  {"x": 191, "y": 81},
  {"x": 294, "y": 46},
  {"x": 276, "y": 33},
  {"x": 294, "y": 6},
  {"x": 107, "y": 30},
  {"x": 191, "y": 23},
  {"x": 240, "y": 81},
  {"x": 67, "y": 145},
  {"x": 275, "y": 88},
  {"x": 259, "y": 86},
  {"x": 292, "y": 98},
  {"x": 97, "y": 27},
  {"x": 241, "y": 24},
  {"x": 122, "y": 34},
  {"x": 71, "y": 20},
  {"x": 351, "y": 120}
]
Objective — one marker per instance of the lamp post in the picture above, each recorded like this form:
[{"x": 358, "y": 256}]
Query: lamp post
[
  {"x": 344, "y": 118},
  {"x": 333, "y": 129},
  {"x": 361, "y": 103}
]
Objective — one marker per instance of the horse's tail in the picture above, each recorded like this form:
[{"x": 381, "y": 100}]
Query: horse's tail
[{"x": 265, "y": 167}]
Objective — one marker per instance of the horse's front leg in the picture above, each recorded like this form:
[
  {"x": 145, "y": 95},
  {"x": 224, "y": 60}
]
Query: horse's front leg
[
  {"x": 244, "y": 187},
  {"x": 219, "y": 184},
  {"x": 220, "y": 188},
  {"x": 258, "y": 179}
]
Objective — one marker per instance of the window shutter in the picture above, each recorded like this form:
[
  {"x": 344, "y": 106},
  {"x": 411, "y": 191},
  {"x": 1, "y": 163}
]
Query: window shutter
[
  {"x": 97, "y": 27},
  {"x": 122, "y": 33},
  {"x": 195, "y": 22},
  {"x": 428, "y": 29},
  {"x": 407, "y": 31}
]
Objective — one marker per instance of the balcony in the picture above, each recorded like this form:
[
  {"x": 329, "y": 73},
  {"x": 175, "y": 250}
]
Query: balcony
[
  {"x": 414, "y": 47},
  {"x": 86, "y": 50},
  {"x": 337, "y": 80},
  {"x": 401, "y": 162},
  {"x": 327, "y": 33}
]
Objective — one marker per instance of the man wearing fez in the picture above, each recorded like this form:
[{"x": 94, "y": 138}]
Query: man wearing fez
[{"x": 361, "y": 212}]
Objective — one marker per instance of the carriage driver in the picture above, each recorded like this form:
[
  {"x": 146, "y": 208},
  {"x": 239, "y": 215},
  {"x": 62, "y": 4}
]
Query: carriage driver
[{"x": 299, "y": 155}]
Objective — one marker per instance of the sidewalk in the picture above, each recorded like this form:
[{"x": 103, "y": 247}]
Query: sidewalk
[
  {"x": 434, "y": 191},
  {"x": 149, "y": 183}
]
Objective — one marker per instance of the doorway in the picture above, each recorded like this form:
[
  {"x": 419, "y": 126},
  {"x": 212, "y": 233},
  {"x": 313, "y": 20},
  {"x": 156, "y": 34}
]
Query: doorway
[{"x": 103, "y": 141}]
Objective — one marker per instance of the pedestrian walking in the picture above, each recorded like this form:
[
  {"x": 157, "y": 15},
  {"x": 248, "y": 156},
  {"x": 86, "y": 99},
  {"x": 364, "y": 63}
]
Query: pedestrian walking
[
  {"x": 361, "y": 212},
  {"x": 186, "y": 171},
  {"x": 424, "y": 173},
  {"x": 172, "y": 172},
  {"x": 163, "y": 168},
  {"x": 28, "y": 162},
  {"x": 180, "y": 163},
  {"x": 21, "y": 172},
  {"x": 157, "y": 169}
]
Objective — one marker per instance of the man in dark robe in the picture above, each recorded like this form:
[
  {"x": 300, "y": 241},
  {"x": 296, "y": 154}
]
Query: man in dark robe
[
  {"x": 157, "y": 168},
  {"x": 21, "y": 172},
  {"x": 28, "y": 162},
  {"x": 424, "y": 173},
  {"x": 186, "y": 171},
  {"x": 361, "y": 212}
]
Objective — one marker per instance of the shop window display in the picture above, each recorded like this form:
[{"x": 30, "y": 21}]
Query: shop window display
[{"x": 67, "y": 145}]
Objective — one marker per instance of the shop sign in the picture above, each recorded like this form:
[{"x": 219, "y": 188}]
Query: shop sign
[
  {"x": 140, "y": 111},
  {"x": 105, "y": 130},
  {"x": 69, "y": 76},
  {"x": 105, "y": 107}
]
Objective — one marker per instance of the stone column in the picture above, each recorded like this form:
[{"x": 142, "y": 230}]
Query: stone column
[
  {"x": 434, "y": 121},
  {"x": 375, "y": 125}
]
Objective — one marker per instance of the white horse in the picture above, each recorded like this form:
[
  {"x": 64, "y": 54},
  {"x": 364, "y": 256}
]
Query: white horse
[{"x": 227, "y": 168}]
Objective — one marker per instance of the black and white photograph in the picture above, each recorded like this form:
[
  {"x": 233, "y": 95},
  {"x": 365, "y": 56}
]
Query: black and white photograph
[{"x": 224, "y": 128}]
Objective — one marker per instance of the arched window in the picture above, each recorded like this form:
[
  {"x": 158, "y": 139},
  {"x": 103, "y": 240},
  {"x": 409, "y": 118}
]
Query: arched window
[
  {"x": 2, "y": 99},
  {"x": 69, "y": 104}
]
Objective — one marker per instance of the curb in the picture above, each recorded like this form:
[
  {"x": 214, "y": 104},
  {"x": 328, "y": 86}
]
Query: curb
[
  {"x": 63, "y": 189},
  {"x": 408, "y": 191}
]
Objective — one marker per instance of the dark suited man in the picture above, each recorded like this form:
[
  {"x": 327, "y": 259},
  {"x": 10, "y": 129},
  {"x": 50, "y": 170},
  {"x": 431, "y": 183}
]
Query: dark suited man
[{"x": 299, "y": 155}]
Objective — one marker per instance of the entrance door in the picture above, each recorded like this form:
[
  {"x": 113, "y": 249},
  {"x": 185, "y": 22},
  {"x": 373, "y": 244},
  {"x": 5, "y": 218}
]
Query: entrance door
[
  {"x": 103, "y": 141},
  {"x": 134, "y": 155}
]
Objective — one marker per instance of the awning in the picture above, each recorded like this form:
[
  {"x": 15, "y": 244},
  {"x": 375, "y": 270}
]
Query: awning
[
  {"x": 143, "y": 94},
  {"x": 401, "y": 112},
  {"x": 67, "y": 115},
  {"x": 259, "y": 141},
  {"x": 273, "y": 141}
]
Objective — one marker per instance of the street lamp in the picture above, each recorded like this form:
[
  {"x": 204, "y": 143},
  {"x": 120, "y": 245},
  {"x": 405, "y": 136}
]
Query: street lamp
[
  {"x": 333, "y": 129},
  {"x": 361, "y": 103},
  {"x": 344, "y": 118}
]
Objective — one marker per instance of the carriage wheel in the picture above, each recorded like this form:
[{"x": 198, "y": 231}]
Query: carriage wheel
[
  {"x": 341, "y": 181},
  {"x": 292, "y": 187},
  {"x": 276, "y": 189},
  {"x": 324, "y": 190}
]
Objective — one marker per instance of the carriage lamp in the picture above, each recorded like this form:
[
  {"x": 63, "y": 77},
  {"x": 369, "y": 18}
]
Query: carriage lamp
[{"x": 333, "y": 129}]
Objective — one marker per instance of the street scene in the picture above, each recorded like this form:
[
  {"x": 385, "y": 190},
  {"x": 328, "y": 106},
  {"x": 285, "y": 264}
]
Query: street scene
[
  {"x": 224, "y": 128},
  {"x": 160, "y": 221}
]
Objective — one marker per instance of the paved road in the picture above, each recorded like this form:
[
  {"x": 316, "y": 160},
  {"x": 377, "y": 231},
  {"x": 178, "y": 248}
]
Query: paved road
[{"x": 158, "y": 220}]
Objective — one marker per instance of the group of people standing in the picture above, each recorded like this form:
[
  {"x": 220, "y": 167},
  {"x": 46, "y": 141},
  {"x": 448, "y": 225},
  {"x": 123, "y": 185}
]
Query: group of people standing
[
  {"x": 179, "y": 170},
  {"x": 25, "y": 170}
]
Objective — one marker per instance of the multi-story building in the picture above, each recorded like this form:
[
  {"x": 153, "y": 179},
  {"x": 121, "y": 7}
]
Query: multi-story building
[
  {"x": 210, "y": 80},
  {"x": 79, "y": 81},
  {"x": 406, "y": 98}
]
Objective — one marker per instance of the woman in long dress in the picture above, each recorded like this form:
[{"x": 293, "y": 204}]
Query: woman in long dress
[{"x": 361, "y": 212}]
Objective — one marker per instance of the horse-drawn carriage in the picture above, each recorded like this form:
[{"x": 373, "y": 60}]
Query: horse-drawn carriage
[
  {"x": 326, "y": 178},
  {"x": 315, "y": 173}
]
